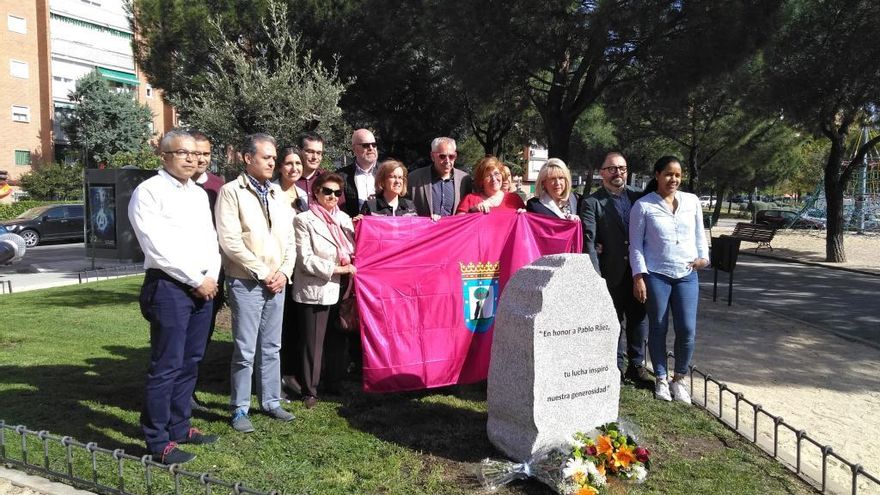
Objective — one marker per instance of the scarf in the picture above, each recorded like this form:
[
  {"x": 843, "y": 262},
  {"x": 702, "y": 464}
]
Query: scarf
[
  {"x": 551, "y": 205},
  {"x": 344, "y": 249}
]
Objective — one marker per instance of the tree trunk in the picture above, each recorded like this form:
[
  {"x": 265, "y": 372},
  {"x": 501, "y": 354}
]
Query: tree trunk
[
  {"x": 558, "y": 137},
  {"x": 834, "y": 251},
  {"x": 716, "y": 212},
  {"x": 692, "y": 170}
]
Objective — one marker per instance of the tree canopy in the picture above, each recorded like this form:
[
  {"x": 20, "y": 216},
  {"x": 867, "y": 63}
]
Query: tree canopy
[{"x": 105, "y": 122}]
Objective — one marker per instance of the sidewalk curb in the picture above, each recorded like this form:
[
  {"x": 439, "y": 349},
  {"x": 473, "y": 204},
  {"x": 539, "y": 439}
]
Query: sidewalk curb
[{"x": 38, "y": 484}]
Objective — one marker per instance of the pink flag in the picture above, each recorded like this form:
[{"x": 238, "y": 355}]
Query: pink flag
[{"x": 427, "y": 291}]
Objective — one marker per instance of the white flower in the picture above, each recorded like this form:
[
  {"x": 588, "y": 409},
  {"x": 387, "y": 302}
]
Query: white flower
[
  {"x": 574, "y": 442},
  {"x": 640, "y": 473},
  {"x": 575, "y": 466},
  {"x": 597, "y": 477}
]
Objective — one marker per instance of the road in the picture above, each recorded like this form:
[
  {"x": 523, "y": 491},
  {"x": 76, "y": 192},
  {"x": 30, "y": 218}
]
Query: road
[
  {"x": 50, "y": 266},
  {"x": 841, "y": 302}
]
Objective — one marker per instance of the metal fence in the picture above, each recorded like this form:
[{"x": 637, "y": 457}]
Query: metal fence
[
  {"x": 107, "y": 471},
  {"x": 108, "y": 273},
  {"x": 755, "y": 412}
]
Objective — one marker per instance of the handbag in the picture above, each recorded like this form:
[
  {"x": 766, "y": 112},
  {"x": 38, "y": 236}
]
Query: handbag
[{"x": 349, "y": 319}]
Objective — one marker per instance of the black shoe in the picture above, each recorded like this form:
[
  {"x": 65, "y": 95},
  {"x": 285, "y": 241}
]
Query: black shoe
[
  {"x": 172, "y": 455},
  {"x": 640, "y": 377},
  {"x": 310, "y": 401},
  {"x": 196, "y": 437},
  {"x": 197, "y": 405},
  {"x": 290, "y": 387}
]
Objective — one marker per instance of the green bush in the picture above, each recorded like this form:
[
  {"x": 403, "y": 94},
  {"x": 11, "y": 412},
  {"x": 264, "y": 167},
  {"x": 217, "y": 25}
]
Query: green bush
[
  {"x": 54, "y": 182},
  {"x": 12, "y": 210}
]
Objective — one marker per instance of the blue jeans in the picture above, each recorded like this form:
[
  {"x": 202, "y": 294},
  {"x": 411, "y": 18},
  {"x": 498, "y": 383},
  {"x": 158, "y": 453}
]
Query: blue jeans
[
  {"x": 678, "y": 296},
  {"x": 256, "y": 334}
]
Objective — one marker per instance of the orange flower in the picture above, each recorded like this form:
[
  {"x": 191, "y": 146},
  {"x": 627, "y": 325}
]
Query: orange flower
[
  {"x": 604, "y": 445},
  {"x": 624, "y": 457},
  {"x": 586, "y": 490},
  {"x": 601, "y": 468}
]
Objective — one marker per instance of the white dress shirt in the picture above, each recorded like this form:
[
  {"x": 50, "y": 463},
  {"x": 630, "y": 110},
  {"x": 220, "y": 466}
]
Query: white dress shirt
[
  {"x": 665, "y": 242},
  {"x": 173, "y": 225},
  {"x": 365, "y": 182}
]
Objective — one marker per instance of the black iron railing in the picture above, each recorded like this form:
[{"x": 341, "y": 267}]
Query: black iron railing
[
  {"x": 108, "y": 471},
  {"x": 858, "y": 474}
]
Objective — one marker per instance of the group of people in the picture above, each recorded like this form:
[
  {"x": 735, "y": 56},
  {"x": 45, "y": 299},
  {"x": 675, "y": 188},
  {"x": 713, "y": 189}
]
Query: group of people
[{"x": 280, "y": 239}]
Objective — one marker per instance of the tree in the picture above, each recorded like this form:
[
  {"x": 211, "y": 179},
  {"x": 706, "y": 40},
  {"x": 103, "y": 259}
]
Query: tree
[
  {"x": 104, "y": 121},
  {"x": 573, "y": 52},
  {"x": 276, "y": 88},
  {"x": 824, "y": 72},
  {"x": 54, "y": 182}
]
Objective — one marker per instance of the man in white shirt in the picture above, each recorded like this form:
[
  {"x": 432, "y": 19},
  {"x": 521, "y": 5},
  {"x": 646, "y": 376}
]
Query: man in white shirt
[
  {"x": 255, "y": 230},
  {"x": 360, "y": 176},
  {"x": 172, "y": 220}
]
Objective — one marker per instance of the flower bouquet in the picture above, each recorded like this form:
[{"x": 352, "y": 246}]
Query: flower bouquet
[{"x": 584, "y": 467}]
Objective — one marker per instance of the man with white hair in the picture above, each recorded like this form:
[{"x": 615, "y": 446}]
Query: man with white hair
[{"x": 437, "y": 190}]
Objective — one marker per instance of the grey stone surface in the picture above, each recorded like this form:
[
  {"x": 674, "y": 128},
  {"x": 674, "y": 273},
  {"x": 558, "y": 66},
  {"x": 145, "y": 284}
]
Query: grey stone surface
[{"x": 554, "y": 368}]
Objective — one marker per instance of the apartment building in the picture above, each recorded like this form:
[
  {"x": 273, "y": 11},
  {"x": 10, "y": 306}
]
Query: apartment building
[{"x": 47, "y": 45}]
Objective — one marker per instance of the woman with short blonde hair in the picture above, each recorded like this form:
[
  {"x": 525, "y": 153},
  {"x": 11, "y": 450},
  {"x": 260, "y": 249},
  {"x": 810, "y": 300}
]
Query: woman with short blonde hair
[{"x": 553, "y": 194}]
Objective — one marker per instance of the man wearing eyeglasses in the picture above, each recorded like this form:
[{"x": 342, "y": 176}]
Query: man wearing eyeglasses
[
  {"x": 605, "y": 219},
  {"x": 437, "y": 190},
  {"x": 211, "y": 184},
  {"x": 255, "y": 230},
  {"x": 172, "y": 221},
  {"x": 360, "y": 176},
  {"x": 311, "y": 152}
]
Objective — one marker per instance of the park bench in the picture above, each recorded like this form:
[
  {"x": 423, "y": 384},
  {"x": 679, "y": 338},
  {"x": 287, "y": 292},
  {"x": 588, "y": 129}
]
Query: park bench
[{"x": 762, "y": 234}]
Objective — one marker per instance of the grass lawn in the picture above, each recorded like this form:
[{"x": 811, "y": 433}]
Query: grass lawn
[{"x": 72, "y": 361}]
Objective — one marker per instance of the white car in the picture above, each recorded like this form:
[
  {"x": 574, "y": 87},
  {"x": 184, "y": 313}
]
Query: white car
[{"x": 707, "y": 201}]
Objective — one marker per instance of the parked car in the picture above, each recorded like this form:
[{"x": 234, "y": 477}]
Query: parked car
[
  {"x": 707, "y": 201},
  {"x": 51, "y": 222},
  {"x": 779, "y": 219}
]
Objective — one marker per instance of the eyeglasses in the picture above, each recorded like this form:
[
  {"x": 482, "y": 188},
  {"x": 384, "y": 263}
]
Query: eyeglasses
[
  {"x": 619, "y": 170},
  {"x": 494, "y": 175},
  {"x": 326, "y": 191},
  {"x": 367, "y": 145},
  {"x": 184, "y": 153},
  {"x": 450, "y": 156}
]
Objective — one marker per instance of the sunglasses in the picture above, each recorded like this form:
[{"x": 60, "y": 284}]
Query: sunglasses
[
  {"x": 367, "y": 145},
  {"x": 326, "y": 191},
  {"x": 450, "y": 156}
]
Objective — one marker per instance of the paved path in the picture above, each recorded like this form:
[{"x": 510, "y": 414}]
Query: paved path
[
  {"x": 842, "y": 302},
  {"x": 802, "y": 341}
]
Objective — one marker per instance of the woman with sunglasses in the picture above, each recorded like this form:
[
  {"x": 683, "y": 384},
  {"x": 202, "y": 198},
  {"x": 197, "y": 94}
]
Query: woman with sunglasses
[
  {"x": 390, "y": 189},
  {"x": 324, "y": 255},
  {"x": 290, "y": 169},
  {"x": 488, "y": 195}
]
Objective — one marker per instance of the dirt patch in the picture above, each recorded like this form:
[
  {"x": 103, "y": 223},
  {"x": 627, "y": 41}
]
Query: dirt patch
[{"x": 695, "y": 448}]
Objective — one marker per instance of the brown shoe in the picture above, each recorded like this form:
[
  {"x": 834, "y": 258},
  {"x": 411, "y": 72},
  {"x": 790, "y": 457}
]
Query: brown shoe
[
  {"x": 310, "y": 401},
  {"x": 640, "y": 377}
]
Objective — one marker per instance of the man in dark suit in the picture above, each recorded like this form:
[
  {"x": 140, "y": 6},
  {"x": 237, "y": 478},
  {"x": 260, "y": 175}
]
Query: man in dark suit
[
  {"x": 360, "y": 176},
  {"x": 605, "y": 218},
  {"x": 437, "y": 190}
]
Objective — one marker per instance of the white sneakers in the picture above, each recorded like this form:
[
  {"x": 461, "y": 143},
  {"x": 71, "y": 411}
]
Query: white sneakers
[
  {"x": 666, "y": 390},
  {"x": 661, "y": 389},
  {"x": 680, "y": 391}
]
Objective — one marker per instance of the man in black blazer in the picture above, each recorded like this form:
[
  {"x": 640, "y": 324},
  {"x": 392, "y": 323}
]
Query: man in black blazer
[
  {"x": 605, "y": 218},
  {"x": 360, "y": 176},
  {"x": 437, "y": 190}
]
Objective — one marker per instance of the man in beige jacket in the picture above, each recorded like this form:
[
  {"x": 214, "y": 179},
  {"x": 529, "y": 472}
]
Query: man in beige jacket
[{"x": 255, "y": 230}]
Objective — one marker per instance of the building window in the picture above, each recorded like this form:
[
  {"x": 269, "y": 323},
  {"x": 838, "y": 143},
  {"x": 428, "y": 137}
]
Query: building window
[
  {"x": 21, "y": 114},
  {"x": 22, "y": 157},
  {"x": 19, "y": 69},
  {"x": 149, "y": 91},
  {"x": 16, "y": 24}
]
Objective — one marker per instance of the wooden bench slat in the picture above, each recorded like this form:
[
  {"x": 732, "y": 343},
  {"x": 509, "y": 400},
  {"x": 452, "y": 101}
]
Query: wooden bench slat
[{"x": 762, "y": 234}]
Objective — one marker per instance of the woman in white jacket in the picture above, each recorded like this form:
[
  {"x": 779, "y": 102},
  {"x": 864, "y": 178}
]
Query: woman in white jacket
[{"x": 324, "y": 254}]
